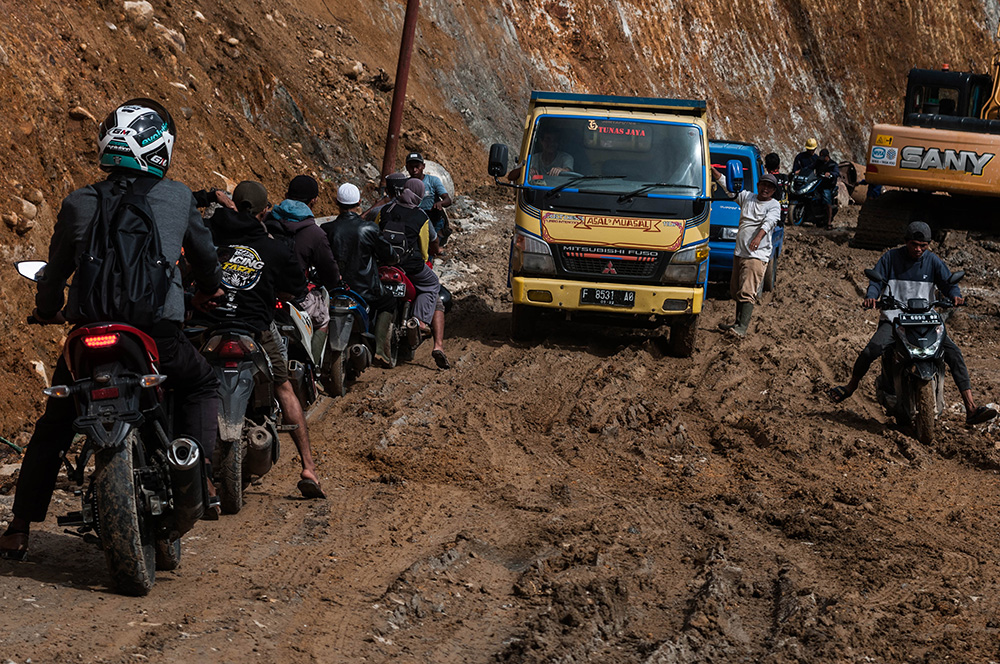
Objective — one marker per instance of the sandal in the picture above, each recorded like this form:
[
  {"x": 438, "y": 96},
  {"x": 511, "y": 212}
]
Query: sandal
[
  {"x": 441, "y": 359},
  {"x": 980, "y": 415},
  {"x": 838, "y": 393},
  {"x": 14, "y": 545},
  {"x": 310, "y": 489}
]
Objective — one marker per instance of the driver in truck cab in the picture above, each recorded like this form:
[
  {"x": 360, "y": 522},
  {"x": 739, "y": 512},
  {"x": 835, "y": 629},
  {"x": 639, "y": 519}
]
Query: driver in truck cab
[
  {"x": 914, "y": 272},
  {"x": 550, "y": 161}
]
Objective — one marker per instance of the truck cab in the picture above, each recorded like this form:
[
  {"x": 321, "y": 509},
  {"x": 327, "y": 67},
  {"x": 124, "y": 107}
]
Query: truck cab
[
  {"x": 612, "y": 214},
  {"x": 726, "y": 212}
]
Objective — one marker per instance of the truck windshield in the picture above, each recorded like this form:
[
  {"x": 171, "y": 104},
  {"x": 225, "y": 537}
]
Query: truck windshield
[{"x": 616, "y": 156}]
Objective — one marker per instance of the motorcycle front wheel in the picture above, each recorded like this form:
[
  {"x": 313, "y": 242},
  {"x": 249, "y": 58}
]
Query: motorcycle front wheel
[
  {"x": 126, "y": 535},
  {"x": 797, "y": 213}
]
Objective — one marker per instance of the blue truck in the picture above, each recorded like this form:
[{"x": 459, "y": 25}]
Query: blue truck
[{"x": 725, "y": 216}]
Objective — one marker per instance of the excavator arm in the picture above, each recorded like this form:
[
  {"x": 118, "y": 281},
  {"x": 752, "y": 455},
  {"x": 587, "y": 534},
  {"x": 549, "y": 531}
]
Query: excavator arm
[{"x": 991, "y": 110}]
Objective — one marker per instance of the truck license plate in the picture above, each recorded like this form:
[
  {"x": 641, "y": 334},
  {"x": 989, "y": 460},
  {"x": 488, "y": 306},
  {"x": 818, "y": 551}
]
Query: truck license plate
[{"x": 607, "y": 298}]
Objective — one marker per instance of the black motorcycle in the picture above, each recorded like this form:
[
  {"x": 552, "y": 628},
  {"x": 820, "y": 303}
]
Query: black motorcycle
[
  {"x": 146, "y": 489},
  {"x": 911, "y": 387},
  {"x": 805, "y": 199},
  {"x": 247, "y": 445}
]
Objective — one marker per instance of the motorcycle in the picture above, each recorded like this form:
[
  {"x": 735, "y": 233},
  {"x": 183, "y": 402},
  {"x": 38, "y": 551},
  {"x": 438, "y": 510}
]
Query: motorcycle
[
  {"x": 350, "y": 346},
  {"x": 805, "y": 200},
  {"x": 146, "y": 489},
  {"x": 296, "y": 329},
  {"x": 911, "y": 387},
  {"x": 247, "y": 445},
  {"x": 400, "y": 327}
]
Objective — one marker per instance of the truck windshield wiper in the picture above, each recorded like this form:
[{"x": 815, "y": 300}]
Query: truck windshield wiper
[
  {"x": 652, "y": 185},
  {"x": 579, "y": 178}
]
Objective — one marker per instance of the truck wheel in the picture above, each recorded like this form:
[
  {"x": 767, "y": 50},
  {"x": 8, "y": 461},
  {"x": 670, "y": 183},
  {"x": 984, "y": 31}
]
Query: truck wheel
[
  {"x": 523, "y": 322},
  {"x": 229, "y": 473},
  {"x": 925, "y": 406},
  {"x": 684, "y": 337},
  {"x": 771, "y": 275},
  {"x": 126, "y": 534}
]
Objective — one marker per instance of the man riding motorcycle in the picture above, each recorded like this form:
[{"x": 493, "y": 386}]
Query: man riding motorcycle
[
  {"x": 913, "y": 272},
  {"x": 135, "y": 145},
  {"x": 255, "y": 269},
  {"x": 359, "y": 249}
]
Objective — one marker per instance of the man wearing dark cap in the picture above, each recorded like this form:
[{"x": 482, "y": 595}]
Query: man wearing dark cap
[
  {"x": 293, "y": 218},
  {"x": 255, "y": 270},
  {"x": 913, "y": 271},
  {"x": 436, "y": 197},
  {"x": 827, "y": 170},
  {"x": 759, "y": 214}
]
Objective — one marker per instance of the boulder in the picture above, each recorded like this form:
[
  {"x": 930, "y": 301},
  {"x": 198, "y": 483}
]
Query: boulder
[
  {"x": 10, "y": 219},
  {"x": 436, "y": 169},
  {"x": 80, "y": 113},
  {"x": 140, "y": 12},
  {"x": 173, "y": 38},
  {"x": 28, "y": 209},
  {"x": 35, "y": 196}
]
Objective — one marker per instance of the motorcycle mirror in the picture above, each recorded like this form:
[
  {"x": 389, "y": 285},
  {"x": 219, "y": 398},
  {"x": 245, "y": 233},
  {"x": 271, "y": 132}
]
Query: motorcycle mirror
[
  {"x": 30, "y": 269},
  {"x": 956, "y": 277},
  {"x": 874, "y": 275},
  {"x": 734, "y": 176},
  {"x": 498, "y": 160}
]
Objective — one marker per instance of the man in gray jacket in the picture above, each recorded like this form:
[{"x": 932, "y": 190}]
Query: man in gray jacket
[{"x": 135, "y": 145}]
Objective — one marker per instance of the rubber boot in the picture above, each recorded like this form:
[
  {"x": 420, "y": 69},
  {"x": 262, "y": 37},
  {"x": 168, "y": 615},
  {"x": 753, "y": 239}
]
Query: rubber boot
[
  {"x": 725, "y": 327},
  {"x": 319, "y": 345},
  {"x": 744, "y": 310},
  {"x": 383, "y": 325}
]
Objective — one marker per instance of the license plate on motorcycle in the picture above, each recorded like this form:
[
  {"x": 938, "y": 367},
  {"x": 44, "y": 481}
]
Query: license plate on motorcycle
[
  {"x": 396, "y": 289},
  {"x": 607, "y": 298},
  {"x": 919, "y": 319}
]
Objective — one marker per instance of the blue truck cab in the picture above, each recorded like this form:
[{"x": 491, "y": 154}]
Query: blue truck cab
[{"x": 725, "y": 215}]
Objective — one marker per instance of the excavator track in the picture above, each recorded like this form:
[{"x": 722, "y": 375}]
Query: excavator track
[{"x": 882, "y": 221}]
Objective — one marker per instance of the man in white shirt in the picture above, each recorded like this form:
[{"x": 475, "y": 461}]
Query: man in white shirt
[{"x": 759, "y": 214}]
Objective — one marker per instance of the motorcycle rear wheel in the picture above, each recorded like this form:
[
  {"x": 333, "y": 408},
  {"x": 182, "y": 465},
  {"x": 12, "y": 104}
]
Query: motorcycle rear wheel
[
  {"x": 925, "y": 408},
  {"x": 126, "y": 536},
  {"x": 336, "y": 373},
  {"x": 168, "y": 554},
  {"x": 229, "y": 473}
]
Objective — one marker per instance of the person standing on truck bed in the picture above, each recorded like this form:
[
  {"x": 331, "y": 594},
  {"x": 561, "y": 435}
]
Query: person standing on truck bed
[
  {"x": 805, "y": 161},
  {"x": 759, "y": 214}
]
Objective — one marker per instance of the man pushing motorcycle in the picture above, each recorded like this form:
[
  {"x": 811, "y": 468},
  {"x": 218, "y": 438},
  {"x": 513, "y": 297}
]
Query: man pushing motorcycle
[
  {"x": 135, "y": 145},
  {"x": 913, "y": 271}
]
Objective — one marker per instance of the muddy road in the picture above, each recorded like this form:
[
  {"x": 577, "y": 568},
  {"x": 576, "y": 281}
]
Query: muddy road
[{"x": 586, "y": 498}]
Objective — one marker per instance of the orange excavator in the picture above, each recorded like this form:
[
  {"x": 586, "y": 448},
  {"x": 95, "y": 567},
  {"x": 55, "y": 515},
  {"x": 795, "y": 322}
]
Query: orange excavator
[{"x": 942, "y": 161}]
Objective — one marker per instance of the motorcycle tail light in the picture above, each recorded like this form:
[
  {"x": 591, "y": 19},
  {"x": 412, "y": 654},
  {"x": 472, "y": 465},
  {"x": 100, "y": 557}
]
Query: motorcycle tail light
[
  {"x": 231, "y": 348},
  {"x": 101, "y": 340},
  {"x": 279, "y": 305},
  {"x": 104, "y": 393},
  {"x": 231, "y": 364}
]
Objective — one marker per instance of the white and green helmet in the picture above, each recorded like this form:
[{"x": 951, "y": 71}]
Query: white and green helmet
[{"x": 138, "y": 135}]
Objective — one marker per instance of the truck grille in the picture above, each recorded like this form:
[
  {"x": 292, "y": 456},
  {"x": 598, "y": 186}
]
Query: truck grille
[{"x": 613, "y": 262}]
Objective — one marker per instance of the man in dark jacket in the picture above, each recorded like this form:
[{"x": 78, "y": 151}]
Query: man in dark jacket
[
  {"x": 255, "y": 270},
  {"x": 294, "y": 218},
  {"x": 359, "y": 248},
  {"x": 135, "y": 146},
  {"x": 913, "y": 271}
]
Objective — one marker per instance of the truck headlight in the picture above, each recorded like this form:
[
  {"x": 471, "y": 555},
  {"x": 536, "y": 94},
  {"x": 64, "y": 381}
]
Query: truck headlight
[
  {"x": 687, "y": 266},
  {"x": 728, "y": 233},
  {"x": 531, "y": 255}
]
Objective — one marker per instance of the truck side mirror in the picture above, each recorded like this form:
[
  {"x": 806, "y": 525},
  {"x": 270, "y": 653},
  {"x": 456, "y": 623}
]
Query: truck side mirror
[
  {"x": 734, "y": 176},
  {"x": 498, "y": 160}
]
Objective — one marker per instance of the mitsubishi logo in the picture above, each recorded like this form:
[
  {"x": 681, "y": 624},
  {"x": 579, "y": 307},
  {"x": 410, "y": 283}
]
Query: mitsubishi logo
[{"x": 610, "y": 269}]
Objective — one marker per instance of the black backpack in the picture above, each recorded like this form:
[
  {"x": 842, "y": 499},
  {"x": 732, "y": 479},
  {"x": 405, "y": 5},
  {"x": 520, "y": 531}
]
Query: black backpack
[
  {"x": 392, "y": 223},
  {"x": 122, "y": 274}
]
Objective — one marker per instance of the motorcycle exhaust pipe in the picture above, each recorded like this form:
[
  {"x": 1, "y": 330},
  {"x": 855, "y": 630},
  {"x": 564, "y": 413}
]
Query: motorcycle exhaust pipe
[
  {"x": 359, "y": 358},
  {"x": 259, "y": 456},
  {"x": 187, "y": 478},
  {"x": 412, "y": 328}
]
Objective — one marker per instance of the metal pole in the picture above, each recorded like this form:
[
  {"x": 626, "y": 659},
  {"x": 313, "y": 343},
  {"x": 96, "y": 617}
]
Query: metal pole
[{"x": 399, "y": 92}]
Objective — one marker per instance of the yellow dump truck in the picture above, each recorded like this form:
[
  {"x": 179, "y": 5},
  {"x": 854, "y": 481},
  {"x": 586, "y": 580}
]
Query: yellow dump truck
[
  {"x": 612, "y": 214},
  {"x": 943, "y": 158}
]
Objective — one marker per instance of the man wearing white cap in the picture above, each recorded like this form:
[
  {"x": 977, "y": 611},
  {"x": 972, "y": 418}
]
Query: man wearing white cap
[{"x": 360, "y": 248}]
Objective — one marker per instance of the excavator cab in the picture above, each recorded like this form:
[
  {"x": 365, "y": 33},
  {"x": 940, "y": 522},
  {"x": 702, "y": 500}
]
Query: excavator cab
[{"x": 944, "y": 92}]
